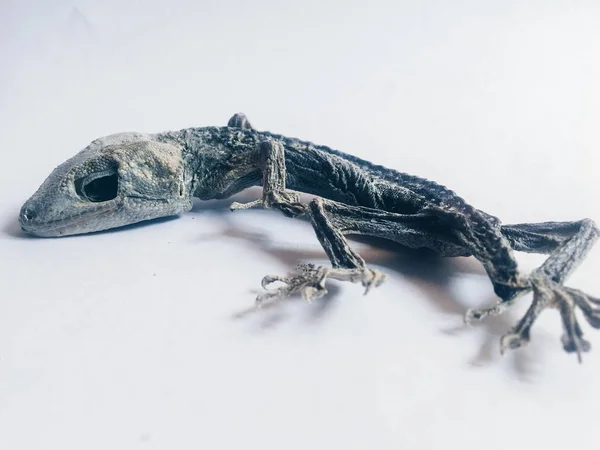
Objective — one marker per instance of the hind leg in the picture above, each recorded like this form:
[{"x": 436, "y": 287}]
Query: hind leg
[
  {"x": 567, "y": 243},
  {"x": 331, "y": 221}
]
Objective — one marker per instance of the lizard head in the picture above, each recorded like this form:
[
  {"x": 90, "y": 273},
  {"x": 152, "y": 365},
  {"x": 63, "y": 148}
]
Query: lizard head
[{"x": 116, "y": 180}]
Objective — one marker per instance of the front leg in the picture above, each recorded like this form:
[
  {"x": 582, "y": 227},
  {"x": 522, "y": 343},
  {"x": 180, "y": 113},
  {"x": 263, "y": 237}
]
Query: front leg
[
  {"x": 275, "y": 195},
  {"x": 309, "y": 279}
]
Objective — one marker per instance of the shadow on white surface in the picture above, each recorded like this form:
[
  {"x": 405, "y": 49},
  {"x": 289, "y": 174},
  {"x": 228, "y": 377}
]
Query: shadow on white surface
[
  {"x": 431, "y": 274},
  {"x": 128, "y": 338}
]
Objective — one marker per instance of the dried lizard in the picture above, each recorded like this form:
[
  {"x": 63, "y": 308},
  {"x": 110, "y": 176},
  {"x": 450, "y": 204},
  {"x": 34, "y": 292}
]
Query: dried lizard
[{"x": 130, "y": 177}]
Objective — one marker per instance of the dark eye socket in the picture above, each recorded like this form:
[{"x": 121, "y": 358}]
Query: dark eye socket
[{"x": 98, "y": 189}]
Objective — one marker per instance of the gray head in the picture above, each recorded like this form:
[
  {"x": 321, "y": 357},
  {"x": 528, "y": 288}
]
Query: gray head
[{"x": 116, "y": 180}]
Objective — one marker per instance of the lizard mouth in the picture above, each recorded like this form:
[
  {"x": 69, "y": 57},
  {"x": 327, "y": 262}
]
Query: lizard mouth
[{"x": 75, "y": 224}]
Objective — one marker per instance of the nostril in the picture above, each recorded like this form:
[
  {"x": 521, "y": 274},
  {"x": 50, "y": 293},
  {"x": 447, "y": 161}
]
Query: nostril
[{"x": 28, "y": 215}]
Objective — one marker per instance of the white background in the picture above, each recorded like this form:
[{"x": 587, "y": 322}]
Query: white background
[{"x": 146, "y": 338}]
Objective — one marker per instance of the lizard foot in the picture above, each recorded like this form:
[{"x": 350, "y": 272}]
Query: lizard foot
[
  {"x": 288, "y": 202},
  {"x": 549, "y": 294},
  {"x": 478, "y": 314},
  {"x": 309, "y": 280}
]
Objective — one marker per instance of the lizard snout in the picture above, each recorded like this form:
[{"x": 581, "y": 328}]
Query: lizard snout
[{"x": 27, "y": 215}]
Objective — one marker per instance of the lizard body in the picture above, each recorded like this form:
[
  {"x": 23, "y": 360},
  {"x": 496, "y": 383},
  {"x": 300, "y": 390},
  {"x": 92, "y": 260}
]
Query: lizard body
[{"x": 130, "y": 177}]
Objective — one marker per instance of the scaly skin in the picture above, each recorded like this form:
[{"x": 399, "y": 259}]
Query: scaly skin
[{"x": 131, "y": 177}]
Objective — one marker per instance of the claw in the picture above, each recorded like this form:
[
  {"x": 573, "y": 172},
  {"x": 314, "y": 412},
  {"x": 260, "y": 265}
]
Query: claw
[
  {"x": 375, "y": 280},
  {"x": 476, "y": 314},
  {"x": 472, "y": 315},
  {"x": 271, "y": 295},
  {"x": 519, "y": 336},
  {"x": 235, "y": 206},
  {"x": 585, "y": 303},
  {"x": 512, "y": 341},
  {"x": 593, "y": 300},
  {"x": 572, "y": 339},
  {"x": 268, "y": 279}
]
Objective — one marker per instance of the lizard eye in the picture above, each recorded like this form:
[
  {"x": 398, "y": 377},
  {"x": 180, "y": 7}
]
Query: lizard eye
[{"x": 98, "y": 187}]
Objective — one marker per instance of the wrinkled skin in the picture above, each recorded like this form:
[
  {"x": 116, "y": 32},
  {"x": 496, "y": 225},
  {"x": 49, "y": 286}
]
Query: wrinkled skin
[
  {"x": 130, "y": 177},
  {"x": 124, "y": 178}
]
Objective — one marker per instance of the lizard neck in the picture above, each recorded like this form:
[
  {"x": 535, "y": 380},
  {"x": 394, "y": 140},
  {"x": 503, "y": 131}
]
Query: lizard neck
[{"x": 210, "y": 157}]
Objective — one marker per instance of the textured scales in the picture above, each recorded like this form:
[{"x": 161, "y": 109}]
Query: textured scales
[{"x": 131, "y": 177}]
